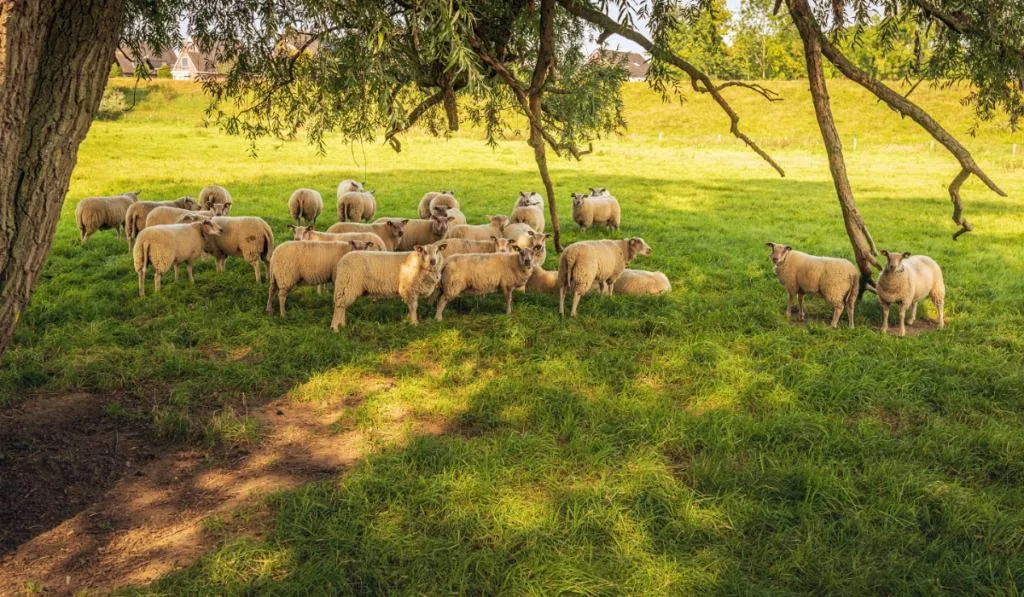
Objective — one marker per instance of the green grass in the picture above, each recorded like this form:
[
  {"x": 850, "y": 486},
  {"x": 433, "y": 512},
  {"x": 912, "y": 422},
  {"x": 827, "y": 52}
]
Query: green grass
[{"x": 692, "y": 443}]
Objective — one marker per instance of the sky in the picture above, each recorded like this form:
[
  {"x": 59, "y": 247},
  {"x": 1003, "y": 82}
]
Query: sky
[{"x": 618, "y": 43}]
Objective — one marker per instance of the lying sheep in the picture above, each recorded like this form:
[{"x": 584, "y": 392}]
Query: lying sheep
[
  {"x": 356, "y": 206},
  {"x": 906, "y": 280},
  {"x": 309, "y": 262},
  {"x": 166, "y": 214},
  {"x": 835, "y": 280},
  {"x": 215, "y": 198},
  {"x": 476, "y": 273},
  {"x": 169, "y": 245},
  {"x": 247, "y": 237},
  {"x": 480, "y": 231},
  {"x": 519, "y": 234},
  {"x": 305, "y": 205},
  {"x": 408, "y": 275},
  {"x": 638, "y": 281},
  {"x": 373, "y": 242},
  {"x": 460, "y": 246},
  {"x": 602, "y": 261},
  {"x": 102, "y": 213},
  {"x": 459, "y": 218},
  {"x": 529, "y": 210},
  {"x": 421, "y": 232},
  {"x": 135, "y": 217},
  {"x": 600, "y": 209},
  {"x": 542, "y": 280},
  {"x": 390, "y": 231},
  {"x": 428, "y": 204}
]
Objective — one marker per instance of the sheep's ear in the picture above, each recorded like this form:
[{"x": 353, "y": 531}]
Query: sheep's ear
[
  {"x": 441, "y": 247},
  {"x": 419, "y": 249},
  {"x": 450, "y": 219},
  {"x": 885, "y": 253},
  {"x": 291, "y": 227},
  {"x": 906, "y": 254},
  {"x": 494, "y": 238},
  {"x": 770, "y": 245},
  {"x": 404, "y": 222},
  {"x": 788, "y": 248}
]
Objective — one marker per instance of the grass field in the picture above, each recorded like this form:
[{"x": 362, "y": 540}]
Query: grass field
[{"x": 691, "y": 443}]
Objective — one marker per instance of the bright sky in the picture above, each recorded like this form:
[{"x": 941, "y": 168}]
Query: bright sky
[{"x": 618, "y": 43}]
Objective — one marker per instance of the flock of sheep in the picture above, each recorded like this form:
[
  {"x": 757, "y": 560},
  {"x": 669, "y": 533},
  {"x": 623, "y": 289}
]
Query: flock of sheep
[{"x": 438, "y": 254}]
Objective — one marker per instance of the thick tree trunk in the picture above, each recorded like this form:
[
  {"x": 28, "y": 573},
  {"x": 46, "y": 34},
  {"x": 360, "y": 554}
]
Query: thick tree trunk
[
  {"x": 55, "y": 56},
  {"x": 863, "y": 246}
]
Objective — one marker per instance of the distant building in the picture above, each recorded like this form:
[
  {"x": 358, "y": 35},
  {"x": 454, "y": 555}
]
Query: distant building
[
  {"x": 293, "y": 42},
  {"x": 633, "y": 62},
  {"x": 128, "y": 60},
  {"x": 194, "y": 64}
]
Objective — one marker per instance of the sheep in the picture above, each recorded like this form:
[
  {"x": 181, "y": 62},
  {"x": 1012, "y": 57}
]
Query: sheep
[
  {"x": 459, "y": 218},
  {"x": 348, "y": 185},
  {"x": 598, "y": 192},
  {"x": 520, "y": 234},
  {"x": 480, "y": 231},
  {"x": 305, "y": 204},
  {"x": 304, "y": 261},
  {"x": 102, "y": 213},
  {"x": 600, "y": 209},
  {"x": 135, "y": 217},
  {"x": 836, "y": 280},
  {"x": 443, "y": 199},
  {"x": 167, "y": 245},
  {"x": 460, "y": 246},
  {"x": 247, "y": 237},
  {"x": 601, "y": 261},
  {"x": 374, "y": 242},
  {"x": 356, "y": 206},
  {"x": 390, "y": 231},
  {"x": 906, "y": 280},
  {"x": 408, "y": 275},
  {"x": 476, "y": 273},
  {"x": 638, "y": 281},
  {"x": 529, "y": 210},
  {"x": 421, "y": 232},
  {"x": 166, "y": 214},
  {"x": 542, "y": 280},
  {"x": 216, "y": 199}
]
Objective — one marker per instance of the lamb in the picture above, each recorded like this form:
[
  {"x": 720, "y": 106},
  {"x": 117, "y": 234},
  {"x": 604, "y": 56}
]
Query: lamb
[
  {"x": 102, "y": 213},
  {"x": 408, "y": 275},
  {"x": 166, "y": 214},
  {"x": 906, "y": 280},
  {"x": 421, "y": 232},
  {"x": 216, "y": 199},
  {"x": 247, "y": 237},
  {"x": 601, "y": 209},
  {"x": 480, "y": 231},
  {"x": 835, "y": 280},
  {"x": 135, "y": 217},
  {"x": 305, "y": 204},
  {"x": 529, "y": 210},
  {"x": 601, "y": 261},
  {"x": 171, "y": 244},
  {"x": 356, "y": 206},
  {"x": 304, "y": 261},
  {"x": 476, "y": 273},
  {"x": 638, "y": 281},
  {"x": 390, "y": 231},
  {"x": 373, "y": 242},
  {"x": 435, "y": 199},
  {"x": 460, "y": 246}
]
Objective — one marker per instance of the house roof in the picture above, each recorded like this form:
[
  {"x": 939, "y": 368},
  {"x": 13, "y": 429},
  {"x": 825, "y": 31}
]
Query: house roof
[
  {"x": 633, "y": 62},
  {"x": 199, "y": 61},
  {"x": 127, "y": 58},
  {"x": 292, "y": 41}
]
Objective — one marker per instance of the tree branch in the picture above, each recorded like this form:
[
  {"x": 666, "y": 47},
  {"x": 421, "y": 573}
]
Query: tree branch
[
  {"x": 963, "y": 24},
  {"x": 415, "y": 115},
  {"x": 766, "y": 93}
]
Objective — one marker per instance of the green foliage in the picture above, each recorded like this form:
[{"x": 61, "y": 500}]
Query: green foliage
[
  {"x": 164, "y": 72},
  {"x": 115, "y": 70},
  {"x": 112, "y": 105}
]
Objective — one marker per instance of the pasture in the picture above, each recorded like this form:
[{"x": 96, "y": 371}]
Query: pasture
[{"x": 690, "y": 443}]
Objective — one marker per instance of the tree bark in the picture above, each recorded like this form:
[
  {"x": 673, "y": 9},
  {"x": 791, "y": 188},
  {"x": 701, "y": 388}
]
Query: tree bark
[{"x": 55, "y": 56}]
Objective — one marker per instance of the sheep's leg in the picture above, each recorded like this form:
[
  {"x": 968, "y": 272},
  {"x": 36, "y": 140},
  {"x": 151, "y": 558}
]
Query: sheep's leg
[
  {"x": 789, "y": 306},
  {"x": 800, "y": 302},
  {"x": 270, "y": 295},
  {"x": 913, "y": 313},
  {"x": 189, "y": 268},
  {"x": 575, "y": 301},
  {"x": 282, "y": 296},
  {"x": 339, "y": 317},
  {"x": 156, "y": 281},
  {"x": 142, "y": 281},
  {"x": 256, "y": 268},
  {"x": 903, "y": 317},
  {"x": 442, "y": 302},
  {"x": 221, "y": 263},
  {"x": 940, "y": 305},
  {"x": 837, "y": 312},
  {"x": 850, "y": 307},
  {"x": 508, "y": 300},
  {"x": 561, "y": 300},
  {"x": 413, "y": 303},
  {"x": 175, "y": 271}
]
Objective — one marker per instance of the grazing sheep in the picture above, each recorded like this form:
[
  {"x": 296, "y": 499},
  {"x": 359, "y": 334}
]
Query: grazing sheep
[
  {"x": 102, "y": 213},
  {"x": 835, "y": 280},
  {"x": 421, "y": 232},
  {"x": 480, "y": 231},
  {"x": 906, "y": 280},
  {"x": 304, "y": 261},
  {"x": 477, "y": 273},
  {"x": 602, "y": 261},
  {"x": 454, "y": 212},
  {"x": 638, "y": 281},
  {"x": 461, "y": 246},
  {"x": 305, "y": 205},
  {"x": 356, "y": 206},
  {"x": 600, "y": 209},
  {"x": 247, "y": 237},
  {"x": 408, "y": 275},
  {"x": 373, "y": 242},
  {"x": 529, "y": 210},
  {"x": 135, "y": 217},
  {"x": 216, "y": 199},
  {"x": 390, "y": 231},
  {"x": 168, "y": 245},
  {"x": 166, "y": 214},
  {"x": 444, "y": 199}
]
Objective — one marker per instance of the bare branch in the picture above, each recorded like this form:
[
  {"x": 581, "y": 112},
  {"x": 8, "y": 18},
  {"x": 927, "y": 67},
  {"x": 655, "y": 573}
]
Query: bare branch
[
  {"x": 766, "y": 93},
  {"x": 415, "y": 115},
  {"x": 958, "y": 208}
]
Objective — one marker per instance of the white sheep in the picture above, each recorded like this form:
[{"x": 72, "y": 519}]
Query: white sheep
[
  {"x": 598, "y": 191},
  {"x": 906, "y": 280},
  {"x": 836, "y": 280},
  {"x": 135, "y": 217},
  {"x": 460, "y": 246},
  {"x": 168, "y": 245},
  {"x": 458, "y": 218},
  {"x": 638, "y": 282},
  {"x": 390, "y": 231},
  {"x": 421, "y": 232},
  {"x": 542, "y": 280},
  {"x": 601, "y": 261},
  {"x": 428, "y": 204},
  {"x": 216, "y": 199},
  {"x": 520, "y": 234},
  {"x": 305, "y": 205},
  {"x": 476, "y": 273},
  {"x": 480, "y": 231},
  {"x": 588, "y": 210},
  {"x": 309, "y": 262},
  {"x": 356, "y": 206},
  {"x": 529, "y": 209},
  {"x": 167, "y": 214},
  {"x": 408, "y": 275},
  {"x": 374, "y": 242},
  {"x": 103, "y": 213},
  {"x": 248, "y": 237}
]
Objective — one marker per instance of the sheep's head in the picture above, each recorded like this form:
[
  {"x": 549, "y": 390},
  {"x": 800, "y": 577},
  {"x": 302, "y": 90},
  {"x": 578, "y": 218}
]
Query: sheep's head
[
  {"x": 301, "y": 232},
  {"x": 598, "y": 191},
  {"x": 895, "y": 264},
  {"x": 192, "y": 217},
  {"x": 133, "y": 195},
  {"x": 525, "y": 258},
  {"x": 431, "y": 256},
  {"x": 188, "y": 203},
  {"x": 397, "y": 228},
  {"x": 501, "y": 245},
  {"x": 499, "y": 221},
  {"x": 577, "y": 199},
  {"x": 222, "y": 209},
  {"x": 779, "y": 252},
  {"x": 537, "y": 244},
  {"x": 439, "y": 223},
  {"x": 361, "y": 245},
  {"x": 637, "y": 246},
  {"x": 528, "y": 198},
  {"x": 208, "y": 227}
]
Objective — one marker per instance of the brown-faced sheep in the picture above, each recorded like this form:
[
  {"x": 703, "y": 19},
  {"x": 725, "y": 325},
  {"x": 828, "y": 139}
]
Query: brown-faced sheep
[
  {"x": 529, "y": 210},
  {"x": 103, "y": 213},
  {"x": 390, "y": 231},
  {"x": 835, "y": 280},
  {"x": 374, "y": 242},
  {"x": 168, "y": 245},
  {"x": 601, "y": 261},
  {"x": 480, "y": 231},
  {"x": 356, "y": 206},
  {"x": 588, "y": 210},
  {"x": 135, "y": 217},
  {"x": 305, "y": 205},
  {"x": 215, "y": 198},
  {"x": 309, "y": 262},
  {"x": 476, "y": 273},
  {"x": 248, "y": 237},
  {"x": 458, "y": 218},
  {"x": 907, "y": 279},
  {"x": 428, "y": 204},
  {"x": 421, "y": 232}
]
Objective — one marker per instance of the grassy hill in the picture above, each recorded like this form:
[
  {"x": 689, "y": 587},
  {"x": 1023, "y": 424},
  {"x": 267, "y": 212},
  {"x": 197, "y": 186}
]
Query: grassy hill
[{"x": 691, "y": 443}]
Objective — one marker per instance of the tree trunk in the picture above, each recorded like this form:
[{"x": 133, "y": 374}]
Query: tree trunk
[
  {"x": 55, "y": 56},
  {"x": 540, "y": 155},
  {"x": 863, "y": 246}
]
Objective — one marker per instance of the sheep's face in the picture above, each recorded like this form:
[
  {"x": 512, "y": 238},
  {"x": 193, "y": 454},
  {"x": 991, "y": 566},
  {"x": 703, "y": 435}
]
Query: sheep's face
[
  {"x": 397, "y": 228},
  {"x": 525, "y": 258},
  {"x": 895, "y": 264},
  {"x": 439, "y": 224},
  {"x": 637, "y": 246},
  {"x": 188, "y": 203},
  {"x": 597, "y": 192},
  {"x": 779, "y": 252},
  {"x": 432, "y": 256},
  {"x": 360, "y": 245},
  {"x": 301, "y": 232},
  {"x": 499, "y": 221},
  {"x": 501, "y": 245},
  {"x": 222, "y": 209},
  {"x": 577, "y": 199},
  {"x": 208, "y": 227},
  {"x": 527, "y": 199}
]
